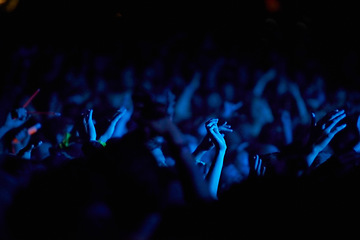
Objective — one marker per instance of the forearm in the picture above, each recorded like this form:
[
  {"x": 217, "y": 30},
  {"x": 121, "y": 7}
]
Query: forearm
[
  {"x": 183, "y": 105},
  {"x": 310, "y": 154},
  {"x": 263, "y": 81},
  {"x": 213, "y": 176},
  {"x": 287, "y": 126},
  {"x": 3, "y": 131}
]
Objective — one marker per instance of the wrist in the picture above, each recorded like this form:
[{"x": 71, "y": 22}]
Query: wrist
[
  {"x": 102, "y": 143},
  {"x": 221, "y": 151},
  {"x": 311, "y": 153}
]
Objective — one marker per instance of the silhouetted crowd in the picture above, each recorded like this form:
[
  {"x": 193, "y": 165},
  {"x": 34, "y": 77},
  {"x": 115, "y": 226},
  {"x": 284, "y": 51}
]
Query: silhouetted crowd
[{"x": 175, "y": 138}]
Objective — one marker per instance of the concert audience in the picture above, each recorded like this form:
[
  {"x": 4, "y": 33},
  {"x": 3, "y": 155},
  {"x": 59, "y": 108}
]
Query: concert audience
[{"x": 204, "y": 144}]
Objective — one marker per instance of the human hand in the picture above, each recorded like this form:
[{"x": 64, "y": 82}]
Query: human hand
[
  {"x": 257, "y": 167},
  {"x": 111, "y": 128},
  {"x": 89, "y": 125},
  {"x": 225, "y": 127},
  {"x": 25, "y": 153},
  {"x": 207, "y": 142},
  {"x": 323, "y": 131},
  {"x": 16, "y": 118},
  {"x": 216, "y": 137},
  {"x": 20, "y": 141}
]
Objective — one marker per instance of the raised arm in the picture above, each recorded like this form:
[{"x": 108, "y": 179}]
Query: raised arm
[
  {"x": 90, "y": 126},
  {"x": 262, "y": 82},
  {"x": 111, "y": 128},
  {"x": 183, "y": 105},
  {"x": 213, "y": 139},
  {"x": 195, "y": 188},
  {"x": 300, "y": 102},
  {"x": 213, "y": 176},
  {"x": 92, "y": 144}
]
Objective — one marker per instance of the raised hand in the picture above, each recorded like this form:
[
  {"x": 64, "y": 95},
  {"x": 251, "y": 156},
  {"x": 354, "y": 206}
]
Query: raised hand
[
  {"x": 25, "y": 153},
  {"x": 90, "y": 129},
  {"x": 20, "y": 141},
  {"x": 216, "y": 137},
  {"x": 207, "y": 142},
  {"x": 111, "y": 128},
  {"x": 225, "y": 127},
  {"x": 257, "y": 167},
  {"x": 218, "y": 140},
  {"x": 13, "y": 120},
  {"x": 89, "y": 125},
  {"x": 322, "y": 132}
]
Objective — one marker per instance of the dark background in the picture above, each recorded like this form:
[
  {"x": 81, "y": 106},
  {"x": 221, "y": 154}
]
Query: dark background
[{"x": 329, "y": 29}]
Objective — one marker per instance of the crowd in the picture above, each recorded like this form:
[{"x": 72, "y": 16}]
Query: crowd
[{"x": 178, "y": 138}]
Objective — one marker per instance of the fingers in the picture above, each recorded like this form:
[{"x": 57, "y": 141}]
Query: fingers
[
  {"x": 334, "y": 120},
  {"x": 89, "y": 115},
  {"x": 336, "y": 114},
  {"x": 338, "y": 129},
  {"x": 257, "y": 162},
  {"x": 121, "y": 112},
  {"x": 225, "y": 128},
  {"x": 222, "y": 128},
  {"x": 258, "y": 167},
  {"x": 211, "y": 122},
  {"x": 89, "y": 125},
  {"x": 330, "y": 116},
  {"x": 26, "y": 154},
  {"x": 22, "y": 114},
  {"x": 330, "y": 129},
  {"x": 214, "y": 129}
]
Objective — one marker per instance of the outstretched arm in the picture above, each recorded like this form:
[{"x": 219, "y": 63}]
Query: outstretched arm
[
  {"x": 213, "y": 139},
  {"x": 261, "y": 84},
  {"x": 301, "y": 105},
  {"x": 213, "y": 176},
  {"x": 183, "y": 105}
]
